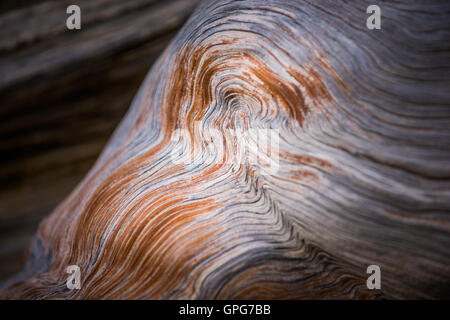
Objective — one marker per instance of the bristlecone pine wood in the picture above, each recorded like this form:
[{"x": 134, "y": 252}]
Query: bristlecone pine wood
[
  {"x": 364, "y": 164},
  {"x": 62, "y": 93}
]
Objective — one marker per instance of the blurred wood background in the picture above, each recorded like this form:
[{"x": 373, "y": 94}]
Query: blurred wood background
[{"x": 62, "y": 92}]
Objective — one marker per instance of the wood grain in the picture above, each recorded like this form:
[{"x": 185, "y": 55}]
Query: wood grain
[
  {"x": 363, "y": 176},
  {"x": 61, "y": 95}
]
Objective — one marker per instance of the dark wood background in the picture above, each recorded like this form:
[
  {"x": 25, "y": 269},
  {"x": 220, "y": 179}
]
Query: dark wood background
[{"x": 62, "y": 92}]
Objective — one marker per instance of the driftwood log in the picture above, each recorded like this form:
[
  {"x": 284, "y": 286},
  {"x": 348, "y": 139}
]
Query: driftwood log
[
  {"x": 363, "y": 176},
  {"x": 62, "y": 93}
]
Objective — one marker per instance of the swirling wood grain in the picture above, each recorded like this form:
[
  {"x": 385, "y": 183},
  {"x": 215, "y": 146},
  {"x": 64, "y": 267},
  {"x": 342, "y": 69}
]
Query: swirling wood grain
[{"x": 363, "y": 177}]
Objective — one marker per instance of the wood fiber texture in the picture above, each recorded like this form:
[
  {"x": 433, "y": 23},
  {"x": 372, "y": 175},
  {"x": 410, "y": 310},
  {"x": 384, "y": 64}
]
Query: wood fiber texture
[
  {"x": 363, "y": 177},
  {"x": 62, "y": 93}
]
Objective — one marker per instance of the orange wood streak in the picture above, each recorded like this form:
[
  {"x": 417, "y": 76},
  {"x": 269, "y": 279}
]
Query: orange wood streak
[{"x": 363, "y": 174}]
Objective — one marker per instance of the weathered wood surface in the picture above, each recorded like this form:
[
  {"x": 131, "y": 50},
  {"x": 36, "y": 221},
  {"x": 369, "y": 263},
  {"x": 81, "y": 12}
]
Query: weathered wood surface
[
  {"x": 62, "y": 93},
  {"x": 363, "y": 177}
]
